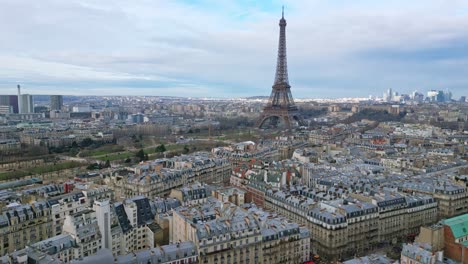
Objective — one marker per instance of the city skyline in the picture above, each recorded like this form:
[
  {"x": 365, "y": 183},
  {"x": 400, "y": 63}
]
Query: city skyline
[{"x": 224, "y": 49}]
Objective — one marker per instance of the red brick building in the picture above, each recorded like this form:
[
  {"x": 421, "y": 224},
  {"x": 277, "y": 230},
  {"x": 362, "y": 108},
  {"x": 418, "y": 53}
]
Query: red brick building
[{"x": 456, "y": 238}]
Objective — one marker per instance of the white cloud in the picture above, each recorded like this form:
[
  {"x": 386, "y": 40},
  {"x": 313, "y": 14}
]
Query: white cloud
[{"x": 225, "y": 44}]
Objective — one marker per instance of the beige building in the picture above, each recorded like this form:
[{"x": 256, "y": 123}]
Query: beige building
[
  {"x": 231, "y": 194},
  {"x": 344, "y": 227},
  {"x": 61, "y": 247},
  {"x": 420, "y": 254},
  {"x": 138, "y": 211},
  {"x": 21, "y": 225},
  {"x": 432, "y": 235},
  {"x": 157, "y": 178},
  {"x": 191, "y": 194},
  {"x": 452, "y": 198},
  {"x": 282, "y": 241},
  {"x": 226, "y": 233},
  {"x": 63, "y": 205},
  {"x": 400, "y": 216},
  {"x": 83, "y": 228}
]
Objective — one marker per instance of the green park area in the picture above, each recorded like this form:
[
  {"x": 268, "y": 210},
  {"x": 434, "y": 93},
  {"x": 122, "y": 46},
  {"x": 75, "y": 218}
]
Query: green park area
[
  {"x": 160, "y": 150},
  {"x": 11, "y": 175}
]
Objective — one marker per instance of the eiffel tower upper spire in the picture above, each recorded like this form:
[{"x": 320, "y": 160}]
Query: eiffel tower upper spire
[{"x": 281, "y": 76}]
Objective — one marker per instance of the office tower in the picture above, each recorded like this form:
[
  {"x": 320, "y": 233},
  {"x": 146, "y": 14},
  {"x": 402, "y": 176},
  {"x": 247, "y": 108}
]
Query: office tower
[
  {"x": 20, "y": 109},
  {"x": 389, "y": 95},
  {"x": 432, "y": 95},
  {"x": 14, "y": 103},
  {"x": 4, "y": 100},
  {"x": 56, "y": 102},
  {"x": 26, "y": 103},
  {"x": 9, "y": 101}
]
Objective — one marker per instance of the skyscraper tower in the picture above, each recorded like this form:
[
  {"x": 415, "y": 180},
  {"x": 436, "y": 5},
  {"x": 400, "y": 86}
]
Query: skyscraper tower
[
  {"x": 19, "y": 98},
  {"x": 281, "y": 105},
  {"x": 56, "y": 102},
  {"x": 25, "y": 102}
]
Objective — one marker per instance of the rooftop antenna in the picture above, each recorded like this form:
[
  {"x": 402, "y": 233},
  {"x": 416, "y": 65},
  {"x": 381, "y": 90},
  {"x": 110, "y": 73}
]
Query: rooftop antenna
[{"x": 282, "y": 14}]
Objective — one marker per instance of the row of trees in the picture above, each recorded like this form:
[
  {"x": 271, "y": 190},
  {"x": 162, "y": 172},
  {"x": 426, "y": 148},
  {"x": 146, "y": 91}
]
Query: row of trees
[
  {"x": 98, "y": 166},
  {"x": 375, "y": 115},
  {"x": 142, "y": 156}
]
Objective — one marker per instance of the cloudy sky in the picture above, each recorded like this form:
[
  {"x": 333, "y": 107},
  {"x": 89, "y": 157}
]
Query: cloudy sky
[{"x": 222, "y": 48}]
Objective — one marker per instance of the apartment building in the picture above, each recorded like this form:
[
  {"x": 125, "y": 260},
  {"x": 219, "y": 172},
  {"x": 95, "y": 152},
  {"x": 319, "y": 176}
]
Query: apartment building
[
  {"x": 452, "y": 198},
  {"x": 455, "y": 234},
  {"x": 61, "y": 248},
  {"x": 283, "y": 241},
  {"x": 420, "y": 254},
  {"x": 64, "y": 249},
  {"x": 66, "y": 204},
  {"x": 157, "y": 178},
  {"x": 21, "y": 225},
  {"x": 191, "y": 194},
  {"x": 181, "y": 252},
  {"x": 230, "y": 194},
  {"x": 83, "y": 228},
  {"x": 226, "y": 233},
  {"x": 400, "y": 216},
  {"x": 347, "y": 226},
  {"x": 140, "y": 217}
]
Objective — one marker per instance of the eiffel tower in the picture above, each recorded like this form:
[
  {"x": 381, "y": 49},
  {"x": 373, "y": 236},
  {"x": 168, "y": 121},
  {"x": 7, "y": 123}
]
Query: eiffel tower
[{"x": 281, "y": 105}]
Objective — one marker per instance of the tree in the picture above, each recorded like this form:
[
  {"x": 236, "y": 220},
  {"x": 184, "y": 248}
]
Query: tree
[
  {"x": 37, "y": 151},
  {"x": 186, "y": 149},
  {"x": 87, "y": 142},
  {"x": 94, "y": 166},
  {"x": 74, "y": 151},
  {"x": 107, "y": 164},
  {"x": 160, "y": 148},
  {"x": 140, "y": 155}
]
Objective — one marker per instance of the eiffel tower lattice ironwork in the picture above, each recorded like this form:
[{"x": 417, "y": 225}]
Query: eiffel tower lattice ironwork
[{"x": 281, "y": 105}]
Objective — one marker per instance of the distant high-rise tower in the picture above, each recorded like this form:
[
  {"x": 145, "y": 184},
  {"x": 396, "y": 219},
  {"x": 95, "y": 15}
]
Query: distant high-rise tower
[
  {"x": 389, "y": 95},
  {"x": 27, "y": 104},
  {"x": 19, "y": 98},
  {"x": 10, "y": 101},
  {"x": 281, "y": 105},
  {"x": 56, "y": 102}
]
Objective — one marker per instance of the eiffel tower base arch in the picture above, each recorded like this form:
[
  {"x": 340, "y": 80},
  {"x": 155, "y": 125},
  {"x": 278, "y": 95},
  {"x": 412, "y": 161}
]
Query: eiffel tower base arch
[{"x": 277, "y": 120}]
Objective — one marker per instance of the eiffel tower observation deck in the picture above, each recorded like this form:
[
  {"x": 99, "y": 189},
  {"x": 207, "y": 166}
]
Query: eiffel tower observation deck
[{"x": 280, "y": 110}]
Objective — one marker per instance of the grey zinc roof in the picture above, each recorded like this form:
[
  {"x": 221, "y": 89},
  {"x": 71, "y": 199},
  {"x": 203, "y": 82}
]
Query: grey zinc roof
[
  {"x": 124, "y": 222},
  {"x": 55, "y": 244},
  {"x": 103, "y": 256},
  {"x": 163, "y": 254},
  {"x": 371, "y": 259}
]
